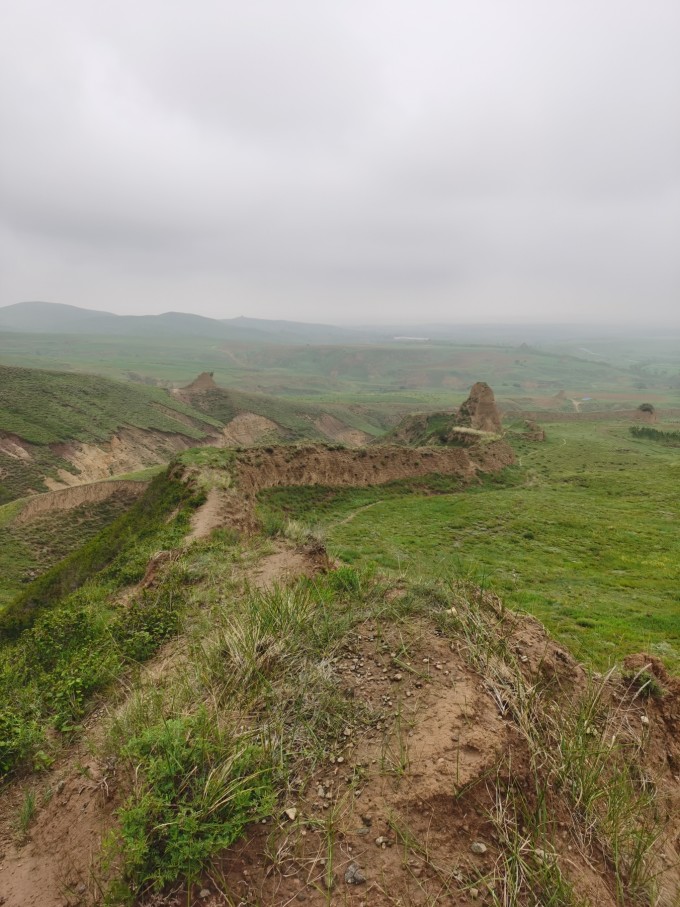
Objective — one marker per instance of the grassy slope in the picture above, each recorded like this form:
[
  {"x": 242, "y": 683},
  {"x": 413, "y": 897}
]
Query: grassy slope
[
  {"x": 44, "y": 407},
  {"x": 248, "y": 717},
  {"x": 66, "y": 636},
  {"x": 29, "y": 549},
  {"x": 295, "y": 418},
  {"x": 258, "y": 702},
  {"x": 582, "y": 534}
]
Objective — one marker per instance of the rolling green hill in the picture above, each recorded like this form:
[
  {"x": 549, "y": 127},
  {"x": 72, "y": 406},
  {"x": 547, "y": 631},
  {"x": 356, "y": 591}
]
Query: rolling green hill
[
  {"x": 45, "y": 407},
  {"x": 417, "y": 375},
  {"x": 56, "y": 318},
  {"x": 43, "y": 414},
  {"x": 47, "y": 416}
]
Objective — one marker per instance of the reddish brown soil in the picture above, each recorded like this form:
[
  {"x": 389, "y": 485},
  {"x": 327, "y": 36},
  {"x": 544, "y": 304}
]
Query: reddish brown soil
[{"x": 405, "y": 796}]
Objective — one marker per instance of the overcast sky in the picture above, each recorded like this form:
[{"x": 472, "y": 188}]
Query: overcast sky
[{"x": 343, "y": 160}]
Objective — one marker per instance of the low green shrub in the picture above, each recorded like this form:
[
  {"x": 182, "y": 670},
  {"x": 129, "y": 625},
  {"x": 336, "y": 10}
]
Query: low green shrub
[{"x": 195, "y": 792}]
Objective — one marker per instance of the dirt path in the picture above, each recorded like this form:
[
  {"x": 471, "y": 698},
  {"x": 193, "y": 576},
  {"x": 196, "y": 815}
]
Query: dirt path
[
  {"x": 208, "y": 517},
  {"x": 355, "y": 513}
]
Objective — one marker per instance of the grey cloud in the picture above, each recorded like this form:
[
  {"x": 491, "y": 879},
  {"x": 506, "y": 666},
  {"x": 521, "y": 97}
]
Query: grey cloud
[{"x": 338, "y": 160}]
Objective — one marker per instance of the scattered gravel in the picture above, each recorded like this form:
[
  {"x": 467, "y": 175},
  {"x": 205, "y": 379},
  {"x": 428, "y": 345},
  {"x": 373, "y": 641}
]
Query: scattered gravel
[{"x": 354, "y": 875}]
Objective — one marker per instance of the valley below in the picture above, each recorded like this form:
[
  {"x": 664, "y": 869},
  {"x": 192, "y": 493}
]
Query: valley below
[{"x": 390, "y": 641}]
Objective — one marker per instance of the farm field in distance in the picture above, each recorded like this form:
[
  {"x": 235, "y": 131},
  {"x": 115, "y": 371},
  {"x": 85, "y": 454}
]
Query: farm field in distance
[
  {"x": 436, "y": 374},
  {"x": 582, "y": 533}
]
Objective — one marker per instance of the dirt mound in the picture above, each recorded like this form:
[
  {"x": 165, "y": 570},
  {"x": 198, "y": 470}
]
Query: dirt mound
[
  {"x": 249, "y": 428},
  {"x": 337, "y": 431},
  {"x": 286, "y": 563},
  {"x": 436, "y": 731},
  {"x": 411, "y": 804},
  {"x": 70, "y": 498},
  {"x": 479, "y": 410},
  {"x": 404, "y": 804},
  {"x": 204, "y": 382}
]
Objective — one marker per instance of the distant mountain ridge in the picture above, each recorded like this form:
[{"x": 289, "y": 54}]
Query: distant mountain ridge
[{"x": 57, "y": 318}]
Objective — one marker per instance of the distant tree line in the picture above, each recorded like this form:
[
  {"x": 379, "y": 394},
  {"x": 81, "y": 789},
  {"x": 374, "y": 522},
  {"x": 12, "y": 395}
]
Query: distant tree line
[{"x": 653, "y": 434}]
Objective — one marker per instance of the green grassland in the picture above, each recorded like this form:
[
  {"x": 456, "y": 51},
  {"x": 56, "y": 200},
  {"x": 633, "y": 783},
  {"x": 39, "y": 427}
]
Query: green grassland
[
  {"x": 19, "y": 477},
  {"x": 431, "y": 375},
  {"x": 45, "y": 407},
  {"x": 582, "y": 533},
  {"x": 62, "y": 638}
]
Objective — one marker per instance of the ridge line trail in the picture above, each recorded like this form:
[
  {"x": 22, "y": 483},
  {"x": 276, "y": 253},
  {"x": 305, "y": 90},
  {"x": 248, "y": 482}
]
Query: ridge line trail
[{"x": 207, "y": 517}]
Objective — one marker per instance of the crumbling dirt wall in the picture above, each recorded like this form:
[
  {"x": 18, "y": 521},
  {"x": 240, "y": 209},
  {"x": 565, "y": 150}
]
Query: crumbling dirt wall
[
  {"x": 268, "y": 467},
  {"x": 314, "y": 465},
  {"x": 68, "y": 498}
]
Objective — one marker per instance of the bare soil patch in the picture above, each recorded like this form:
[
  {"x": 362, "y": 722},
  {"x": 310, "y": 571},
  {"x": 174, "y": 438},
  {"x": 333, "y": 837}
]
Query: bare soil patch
[
  {"x": 400, "y": 803},
  {"x": 247, "y": 429},
  {"x": 336, "y": 430},
  {"x": 127, "y": 451}
]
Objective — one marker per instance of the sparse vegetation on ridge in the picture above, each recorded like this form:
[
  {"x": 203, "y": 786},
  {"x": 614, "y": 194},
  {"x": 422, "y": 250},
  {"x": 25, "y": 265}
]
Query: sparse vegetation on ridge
[
  {"x": 320, "y": 684},
  {"x": 262, "y": 665},
  {"x": 66, "y": 636}
]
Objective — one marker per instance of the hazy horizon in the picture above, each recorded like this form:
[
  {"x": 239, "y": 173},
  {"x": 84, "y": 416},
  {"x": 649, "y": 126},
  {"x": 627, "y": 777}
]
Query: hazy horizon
[
  {"x": 645, "y": 328},
  {"x": 353, "y": 164}
]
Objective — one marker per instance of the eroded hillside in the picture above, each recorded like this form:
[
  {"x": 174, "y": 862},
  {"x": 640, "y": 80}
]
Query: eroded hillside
[{"x": 59, "y": 429}]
